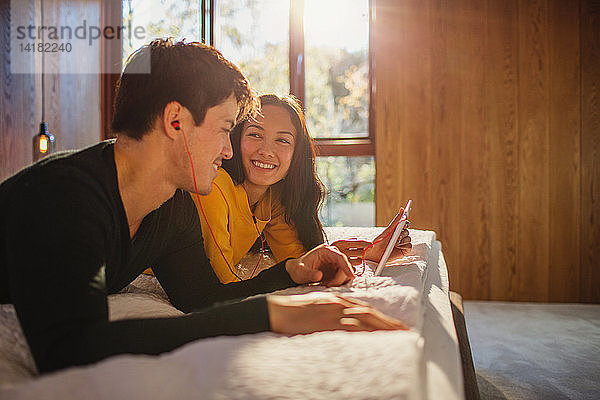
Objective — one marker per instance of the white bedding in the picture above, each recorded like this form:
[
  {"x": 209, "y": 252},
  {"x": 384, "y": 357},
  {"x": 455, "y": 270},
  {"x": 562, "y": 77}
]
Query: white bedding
[{"x": 422, "y": 363}]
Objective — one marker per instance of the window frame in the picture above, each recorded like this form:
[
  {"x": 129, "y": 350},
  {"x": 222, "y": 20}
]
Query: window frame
[
  {"x": 112, "y": 60},
  {"x": 112, "y": 14},
  {"x": 346, "y": 146}
]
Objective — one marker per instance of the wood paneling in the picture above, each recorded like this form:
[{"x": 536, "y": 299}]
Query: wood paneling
[
  {"x": 474, "y": 187},
  {"x": 400, "y": 102},
  {"x": 445, "y": 166},
  {"x": 590, "y": 151},
  {"x": 388, "y": 117},
  {"x": 16, "y": 104},
  {"x": 488, "y": 118},
  {"x": 72, "y": 100},
  {"x": 564, "y": 154},
  {"x": 502, "y": 92},
  {"x": 533, "y": 127}
]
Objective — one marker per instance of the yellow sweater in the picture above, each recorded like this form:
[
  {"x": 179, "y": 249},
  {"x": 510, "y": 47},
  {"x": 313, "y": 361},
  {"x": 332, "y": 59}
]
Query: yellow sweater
[{"x": 230, "y": 218}]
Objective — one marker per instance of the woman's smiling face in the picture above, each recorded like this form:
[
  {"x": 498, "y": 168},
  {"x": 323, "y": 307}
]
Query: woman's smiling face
[{"x": 267, "y": 146}]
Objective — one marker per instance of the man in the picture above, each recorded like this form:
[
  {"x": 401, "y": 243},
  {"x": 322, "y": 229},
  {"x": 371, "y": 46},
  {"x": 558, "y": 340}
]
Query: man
[{"x": 114, "y": 209}]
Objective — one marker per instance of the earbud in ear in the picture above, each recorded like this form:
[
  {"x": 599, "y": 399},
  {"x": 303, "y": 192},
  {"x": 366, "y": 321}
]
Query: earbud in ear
[{"x": 176, "y": 125}]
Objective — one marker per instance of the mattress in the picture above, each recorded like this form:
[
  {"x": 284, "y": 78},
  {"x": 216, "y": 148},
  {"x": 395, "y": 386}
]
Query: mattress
[{"x": 421, "y": 363}]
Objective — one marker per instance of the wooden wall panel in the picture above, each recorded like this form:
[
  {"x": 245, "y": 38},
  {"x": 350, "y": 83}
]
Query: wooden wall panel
[
  {"x": 533, "y": 245},
  {"x": 400, "y": 102},
  {"x": 388, "y": 185},
  {"x": 504, "y": 98},
  {"x": 445, "y": 166},
  {"x": 474, "y": 207},
  {"x": 564, "y": 151},
  {"x": 72, "y": 100},
  {"x": 17, "y": 104},
  {"x": 590, "y": 151},
  {"x": 502, "y": 94}
]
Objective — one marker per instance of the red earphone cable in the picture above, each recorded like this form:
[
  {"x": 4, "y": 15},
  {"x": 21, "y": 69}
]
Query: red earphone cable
[
  {"x": 200, "y": 204},
  {"x": 364, "y": 265}
]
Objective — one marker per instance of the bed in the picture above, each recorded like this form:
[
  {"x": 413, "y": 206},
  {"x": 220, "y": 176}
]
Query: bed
[{"x": 421, "y": 363}]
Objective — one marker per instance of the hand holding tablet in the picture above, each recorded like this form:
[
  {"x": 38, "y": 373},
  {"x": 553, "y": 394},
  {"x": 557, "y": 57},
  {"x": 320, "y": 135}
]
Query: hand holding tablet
[
  {"x": 399, "y": 246},
  {"x": 394, "y": 239}
]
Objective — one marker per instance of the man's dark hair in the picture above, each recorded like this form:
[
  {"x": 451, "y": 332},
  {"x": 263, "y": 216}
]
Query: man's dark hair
[{"x": 193, "y": 74}]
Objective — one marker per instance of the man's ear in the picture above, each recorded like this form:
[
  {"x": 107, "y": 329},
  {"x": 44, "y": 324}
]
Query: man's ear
[{"x": 171, "y": 113}]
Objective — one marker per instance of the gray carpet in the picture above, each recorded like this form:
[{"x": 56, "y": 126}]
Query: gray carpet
[{"x": 535, "y": 351}]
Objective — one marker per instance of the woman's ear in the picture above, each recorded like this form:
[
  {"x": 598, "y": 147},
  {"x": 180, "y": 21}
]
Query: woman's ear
[{"x": 171, "y": 118}]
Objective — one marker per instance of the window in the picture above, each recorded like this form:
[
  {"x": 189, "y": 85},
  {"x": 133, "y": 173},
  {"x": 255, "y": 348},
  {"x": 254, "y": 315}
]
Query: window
[
  {"x": 336, "y": 41},
  {"x": 350, "y": 183},
  {"x": 337, "y": 94},
  {"x": 318, "y": 50},
  {"x": 254, "y": 35},
  {"x": 160, "y": 18}
]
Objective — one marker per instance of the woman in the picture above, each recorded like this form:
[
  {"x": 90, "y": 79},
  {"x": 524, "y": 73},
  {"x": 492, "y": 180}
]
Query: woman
[{"x": 270, "y": 186}]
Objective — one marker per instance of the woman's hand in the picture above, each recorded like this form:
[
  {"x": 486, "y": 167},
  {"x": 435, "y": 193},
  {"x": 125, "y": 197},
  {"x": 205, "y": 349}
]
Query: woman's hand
[
  {"x": 323, "y": 264},
  {"x": 302, "y": 314},
  {"x": 353, "y": 248},
  {"x": 402, "y": 246}
]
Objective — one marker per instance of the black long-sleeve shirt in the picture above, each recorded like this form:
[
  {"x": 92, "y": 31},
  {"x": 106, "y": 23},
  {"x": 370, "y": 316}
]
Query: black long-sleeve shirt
[{"x": 65, "y": 246}]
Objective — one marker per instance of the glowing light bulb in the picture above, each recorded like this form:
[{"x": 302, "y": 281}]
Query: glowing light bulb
[{"x": 43, "y": 144}]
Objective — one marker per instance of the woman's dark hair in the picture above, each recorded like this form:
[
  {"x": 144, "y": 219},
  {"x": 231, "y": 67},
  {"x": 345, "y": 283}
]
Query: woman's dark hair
[
  {"x": 193, "y": 74},
  {"x": 302, "y": 192}
]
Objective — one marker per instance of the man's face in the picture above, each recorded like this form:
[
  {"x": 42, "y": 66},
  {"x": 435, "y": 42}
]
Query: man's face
[{"x": 208, "y": 145}]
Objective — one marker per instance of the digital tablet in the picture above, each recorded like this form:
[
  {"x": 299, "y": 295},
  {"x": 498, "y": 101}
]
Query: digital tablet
[{"x": 394, "y": 239}]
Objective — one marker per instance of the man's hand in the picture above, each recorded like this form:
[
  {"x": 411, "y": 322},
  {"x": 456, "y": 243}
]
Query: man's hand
[
  {"x": 302, "y": 314},
  {"x": 323, "y": 264},
  {"x": 354, "y": 248}
]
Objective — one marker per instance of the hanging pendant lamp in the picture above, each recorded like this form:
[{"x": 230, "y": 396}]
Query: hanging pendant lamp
[{"x": 44, "y": 141}]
